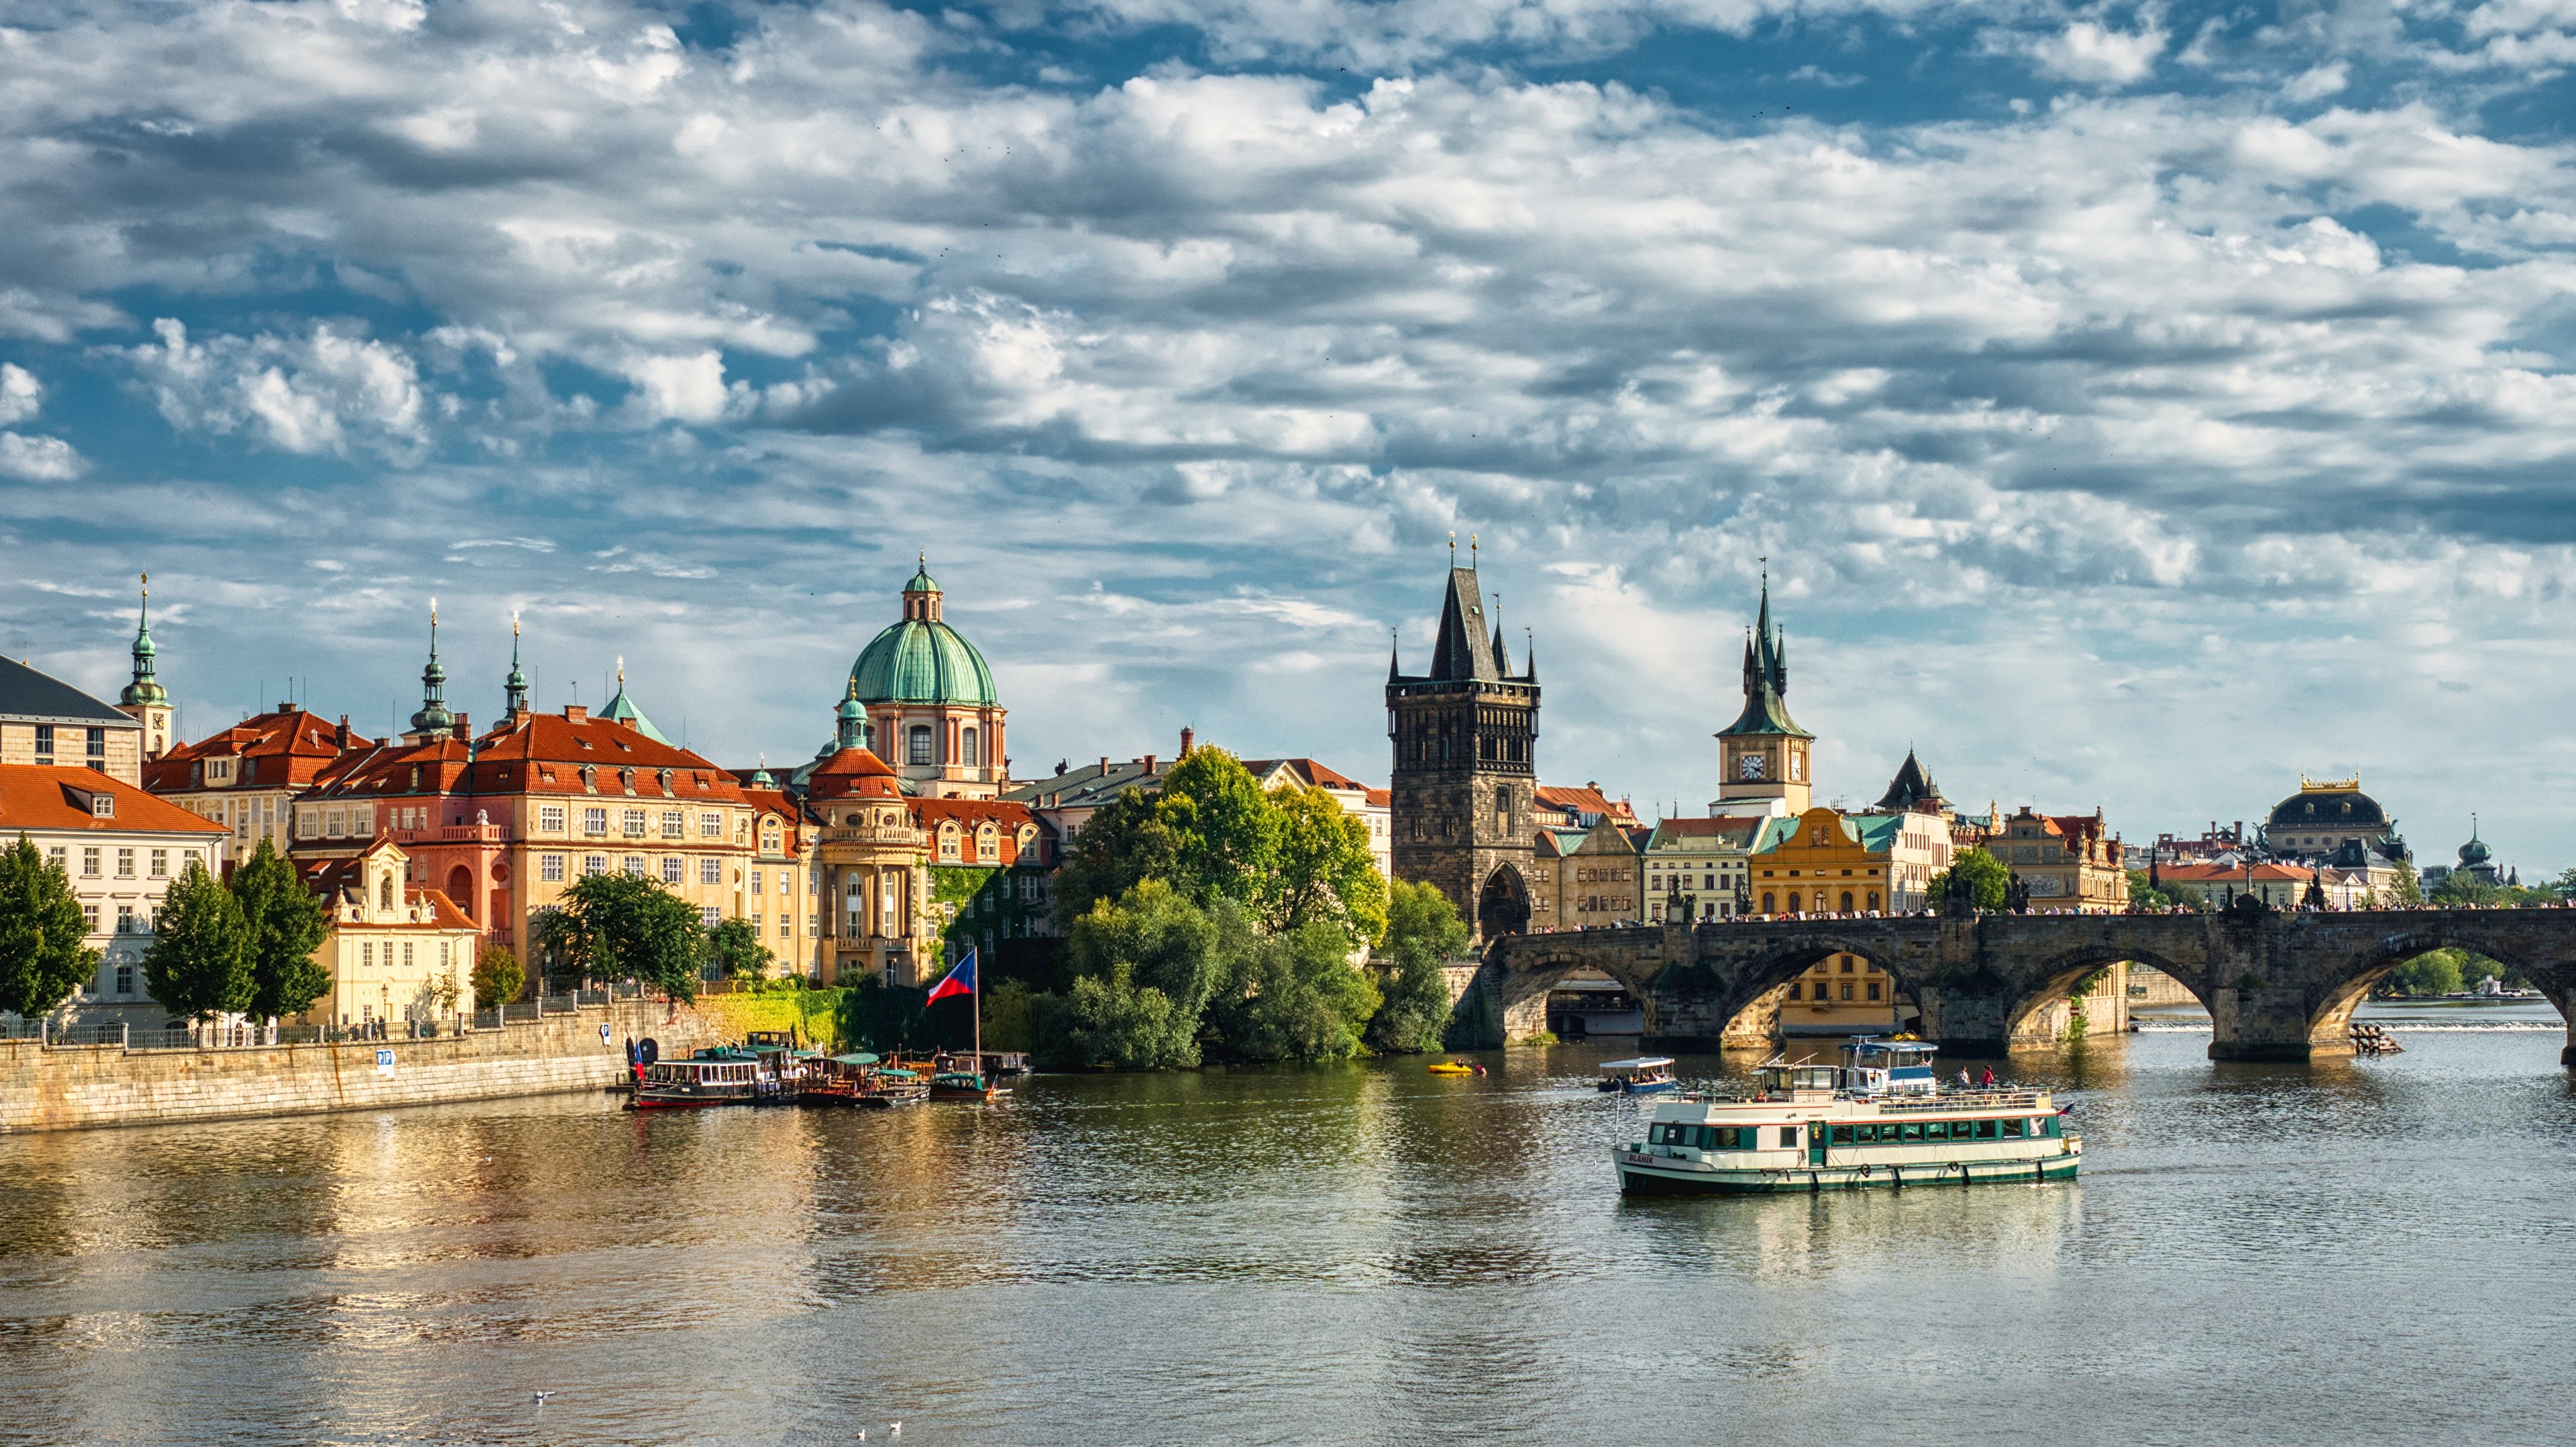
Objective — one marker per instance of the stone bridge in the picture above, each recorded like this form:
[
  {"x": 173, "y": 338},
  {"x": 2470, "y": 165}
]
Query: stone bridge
[{"x": 2279, "y": 986}]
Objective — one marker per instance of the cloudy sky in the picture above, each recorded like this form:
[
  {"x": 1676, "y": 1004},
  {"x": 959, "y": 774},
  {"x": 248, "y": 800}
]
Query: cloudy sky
[{"x": 2138, "y": 404}]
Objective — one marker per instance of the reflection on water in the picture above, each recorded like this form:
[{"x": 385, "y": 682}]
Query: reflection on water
[{"x": 2355, "y": 1251}]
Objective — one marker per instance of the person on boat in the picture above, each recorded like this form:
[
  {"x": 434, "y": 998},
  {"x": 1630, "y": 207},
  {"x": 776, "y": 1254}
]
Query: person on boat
[
  {"x": 1986, "y": 1078},
  {"x": 1963, "y": 1077}
]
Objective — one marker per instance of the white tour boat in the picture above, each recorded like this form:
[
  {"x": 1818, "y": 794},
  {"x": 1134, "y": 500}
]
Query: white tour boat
[{"x": 1880, "y": 1119}]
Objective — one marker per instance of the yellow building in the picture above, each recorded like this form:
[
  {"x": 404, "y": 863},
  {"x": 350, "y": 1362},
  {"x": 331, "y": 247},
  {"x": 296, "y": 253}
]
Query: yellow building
[
  {"x": 1822, "y": 862},
  {"x": 1588, "y": 878},
  {"x": 400, "y": 955},
  {"x": 2065, "y": 860},
  {"x": 1842, "y": 994},
  {"x": 874, "y": 861}
]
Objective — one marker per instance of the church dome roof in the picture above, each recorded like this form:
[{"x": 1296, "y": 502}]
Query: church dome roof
[
  {"x": 2330, "y": 806},
  {"x": 922, "y": 661},
  {"x": 2475, "y": 852}
]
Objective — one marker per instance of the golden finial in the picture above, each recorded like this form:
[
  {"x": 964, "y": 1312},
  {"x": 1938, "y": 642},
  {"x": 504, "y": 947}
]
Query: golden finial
[
  {"x": 1453, "y": 547},
  {"x": 621, "y": 674}
]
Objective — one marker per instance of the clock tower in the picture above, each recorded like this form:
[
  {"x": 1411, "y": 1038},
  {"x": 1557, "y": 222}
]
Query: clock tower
[{"x": 1766, "y": 762}]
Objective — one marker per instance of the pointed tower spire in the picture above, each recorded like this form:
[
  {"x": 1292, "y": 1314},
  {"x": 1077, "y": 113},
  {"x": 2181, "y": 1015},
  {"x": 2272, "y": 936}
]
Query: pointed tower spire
[
  {"x": 852, "y": 720},
  {"x": 1502, "y": 652},
  {"x": 1529, "y": 656},
  {"x": 1394, "y": 656},
  {"x": 433, "y": 717},
  {"x": 145, "y": 691},
  {"x": 514, "y": 689}
]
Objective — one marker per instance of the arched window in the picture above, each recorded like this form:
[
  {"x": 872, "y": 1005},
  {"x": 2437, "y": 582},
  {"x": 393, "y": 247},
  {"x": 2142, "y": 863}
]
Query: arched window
[
  {"x": 1770, "y": 904},
  {"x": 1873, "y": 901},
  {"x": 1503, "y": 810},
  {"x": 1847, "y": 901},
  {"x": 966, "y": 746},
  {"x": 1793, "y": 903},
  {"x": 917, "y": 750}
]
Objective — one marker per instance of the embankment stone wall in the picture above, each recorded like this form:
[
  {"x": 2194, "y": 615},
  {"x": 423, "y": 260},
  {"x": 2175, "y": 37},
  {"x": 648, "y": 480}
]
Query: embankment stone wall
[{"x": 72, "y": 1087}]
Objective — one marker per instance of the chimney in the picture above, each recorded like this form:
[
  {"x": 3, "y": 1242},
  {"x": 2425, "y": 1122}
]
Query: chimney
[
  {"x": 340, "y": 735},
  {"x": 1104, "y": 763},
  {"x": 464, "y": 732},
  {"x": 575, "y": 713},
  {"x": 1186, "y": 739},
  {"x": 1148, "y": 762}
]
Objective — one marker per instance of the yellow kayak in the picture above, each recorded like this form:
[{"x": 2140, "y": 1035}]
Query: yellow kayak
[{"x": 1452, "y": 1067}]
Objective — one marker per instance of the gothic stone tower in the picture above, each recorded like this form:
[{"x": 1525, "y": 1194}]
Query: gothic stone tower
[
  {"x": 1765, "y": 752},
  {"x": 1465, "y": 735}
]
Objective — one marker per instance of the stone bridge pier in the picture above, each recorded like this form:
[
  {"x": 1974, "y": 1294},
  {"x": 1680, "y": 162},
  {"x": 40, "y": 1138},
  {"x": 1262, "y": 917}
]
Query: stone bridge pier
[{"x": 2278, "y": 986}]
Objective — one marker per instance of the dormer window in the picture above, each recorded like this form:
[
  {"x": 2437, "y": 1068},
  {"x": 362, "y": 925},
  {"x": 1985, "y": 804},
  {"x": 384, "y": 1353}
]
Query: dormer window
[
  {"x": 590, "y": 778},
  {"x": 666, "y": 781},
  {"x": 102, "y": 806},
  {"x": 585, "y": 743},
  {"x": 626, "y": 779},
  {"x": 545, "y": 774}
]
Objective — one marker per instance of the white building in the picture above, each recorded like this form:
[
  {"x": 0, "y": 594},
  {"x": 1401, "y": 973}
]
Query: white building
[{"x": 120, "y": 847}]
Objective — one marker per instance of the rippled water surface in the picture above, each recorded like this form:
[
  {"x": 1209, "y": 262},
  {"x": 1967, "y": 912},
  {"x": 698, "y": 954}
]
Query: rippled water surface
[{"x": 2359, "y": 1252}]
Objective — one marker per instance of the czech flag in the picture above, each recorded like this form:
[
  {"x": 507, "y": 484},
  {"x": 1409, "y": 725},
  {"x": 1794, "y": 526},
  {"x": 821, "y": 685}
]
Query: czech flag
[{"x": 959, "y": 981}]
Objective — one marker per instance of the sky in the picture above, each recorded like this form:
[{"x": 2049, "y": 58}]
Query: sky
[{"x": 2137, "y": 405}]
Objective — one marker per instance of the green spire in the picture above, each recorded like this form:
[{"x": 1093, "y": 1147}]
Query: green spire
[
  {"x": 623, "y": 710},
  {"x": 853, "y": 719},
  {"x": 515, "y": 687},
  {"x": 433, "y": 717},
  {"x": 145, "y": 691}
]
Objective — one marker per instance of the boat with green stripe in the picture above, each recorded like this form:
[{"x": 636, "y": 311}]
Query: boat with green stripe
[{"x": 1879, "y": 1119}]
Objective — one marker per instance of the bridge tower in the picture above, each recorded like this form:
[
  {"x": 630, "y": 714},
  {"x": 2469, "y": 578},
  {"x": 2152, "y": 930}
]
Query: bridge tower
[
  {"x": 1766, "y": 753},
  {"x": 1465, "y": 736}
]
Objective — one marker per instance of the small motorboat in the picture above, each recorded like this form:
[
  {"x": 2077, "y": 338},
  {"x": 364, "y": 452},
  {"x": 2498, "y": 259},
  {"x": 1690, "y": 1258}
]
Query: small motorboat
[
  {"x": 962, "y": 1085},
  {"x": 1452, "y": 1067},
  {"x": 1642, "y": 1075}
]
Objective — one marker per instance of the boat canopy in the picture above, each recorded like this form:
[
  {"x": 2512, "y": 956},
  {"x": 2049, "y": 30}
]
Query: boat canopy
[
  {"x": 855, "y": 1057},
  {"x": 1641, "y": 1062}
]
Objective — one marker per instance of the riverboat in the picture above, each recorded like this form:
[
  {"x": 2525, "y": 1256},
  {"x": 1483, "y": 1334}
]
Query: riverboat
[
  {"x": 1644, "y": 1075},
  {"x": 696, "y": 1084},
  {"x": 962, "y": 1085},
  {"x": 854, "y": 1080},
  {"x": 1881, "y": 1119}
]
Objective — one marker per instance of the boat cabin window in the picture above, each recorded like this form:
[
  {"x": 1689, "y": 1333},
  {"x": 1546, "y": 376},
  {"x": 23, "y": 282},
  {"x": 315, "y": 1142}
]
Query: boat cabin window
[
  {"x": 2012, "y": 1129},
  {"x": 1842, "y": 1135},
  {"x": 1985, "y": 1130},
  {"x": 1702, "y": 1137},
  {"x": 1788, "y": 1135},
  {"x": 2047, "y": 1125}
]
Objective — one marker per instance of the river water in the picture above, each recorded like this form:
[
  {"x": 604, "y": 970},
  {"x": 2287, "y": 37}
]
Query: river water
[{"x": 2364, "y": 1252}]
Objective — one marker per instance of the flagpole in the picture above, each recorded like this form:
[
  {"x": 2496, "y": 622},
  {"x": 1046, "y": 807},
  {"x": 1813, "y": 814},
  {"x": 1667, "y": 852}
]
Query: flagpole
[{"x": 976, "y": 999}]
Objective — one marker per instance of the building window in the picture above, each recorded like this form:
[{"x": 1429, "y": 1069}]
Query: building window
[
  {"x": 634, "y": 865},
  {"x": 711, "y": 826},
  {"x": 125, "y": 864},
  {"x": 594, "y": 821},
  {"x": 709, "y": 916},
  {"x": 786, "y": 927},
  {"x": 367, "y": 954},
  {"x": 755, "y": 881},
  {"x": 675, "y": 825},
  {"x": 918, "y": 750},
  {"x": 814, "y": 926},
  {"x": 1769, "y": 904},
  {"x": 1793, "y": 989},
  {"x": 550, "y": 868},
  {"x": 160, "y": 864},
  {"x": 406, "y": 953},
  {"x": 550, "y": 818},
  {"x": 755, "y": 922},
  {"x": 44, "y": 743},
  {"x": 671, "y": 866},
  {"x": 125, "y": 979},
  {"x": 1847, "y": 989},
  {"x": 98, "y": 748},
  {"x": 769, "y": 839},
  {"x": 335, "y": 823},
  {"x": 710, "y": 870},
  {"x": 89, "y": 913},
  {"x": 1873, "y": 989},
  {"x": 89, "y": 864},
  {"x": 633, "y": 822},
  {"x": 594, "y": 864}
]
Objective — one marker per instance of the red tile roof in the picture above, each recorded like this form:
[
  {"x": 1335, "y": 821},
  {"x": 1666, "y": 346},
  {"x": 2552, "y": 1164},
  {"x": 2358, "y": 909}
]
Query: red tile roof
[
  {"x": 286, "y": 747},
  {"x": 538, "y": 754},
  {"x": 57, "y": 796},
  {"x": 1315, "y": 775},
  {"x": 335, "y": 879},
  {"x": 852, "y": 773}
]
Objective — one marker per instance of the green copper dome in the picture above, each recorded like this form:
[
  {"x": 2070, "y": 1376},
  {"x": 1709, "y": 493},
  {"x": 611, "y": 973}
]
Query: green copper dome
[{"x": 921, "y": 661}]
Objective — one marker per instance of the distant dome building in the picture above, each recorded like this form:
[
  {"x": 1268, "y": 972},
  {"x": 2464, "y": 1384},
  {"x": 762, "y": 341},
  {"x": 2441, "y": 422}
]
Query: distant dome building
[
  {"x": 2476, "y": 859},
  {"x": 932, "y": 712},
  {"x": 2331, "y": 822}
]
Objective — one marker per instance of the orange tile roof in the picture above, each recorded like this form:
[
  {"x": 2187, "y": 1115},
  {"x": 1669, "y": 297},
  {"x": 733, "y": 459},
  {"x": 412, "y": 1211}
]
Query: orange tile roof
[
  {"x": 1316, "y": 775},
  {"x": 56, "y": 796},
  {"x": 283, "y": 748},
  {"x": 539, "y": 754}
]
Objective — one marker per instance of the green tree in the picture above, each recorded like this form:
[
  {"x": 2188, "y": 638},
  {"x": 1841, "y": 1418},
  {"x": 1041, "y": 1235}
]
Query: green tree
[
  {"x": 498, "y": 977},
  {"x": 2144, "y": 895},
  {"x": 2406, "y": 891},
  {"x": 1112, "y": 1021},
  {"x": 199, "y": 962},
  {"x": 615, "y": 925},
  {"x": 1171, "y": 945},
  {"x": 1296, "y": 996},
  {"x": 1321, "y": 870},
  {"x": 1209, "y": 834},
  {"x": 734, "y": 947},
  {"x": 43, "y": 951},
  {"x": 1982, "y": 870},
  {"x": 287, "y": 923},
  {"x": 1422, "y": 931},
  {"x": 874, "y": 1015},
  {"x": 2436, "y": 972}
]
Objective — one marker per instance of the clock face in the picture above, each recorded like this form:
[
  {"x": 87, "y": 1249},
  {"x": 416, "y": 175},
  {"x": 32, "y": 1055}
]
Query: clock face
[
  {"x": 1797, "y": 766},
  {"x": 1750, "y": 766}
]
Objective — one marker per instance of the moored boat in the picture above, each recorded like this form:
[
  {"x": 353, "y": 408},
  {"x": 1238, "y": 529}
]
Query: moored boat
[
  {"x": 1643, "y": 1075},
  {"x": 694, "y": 1084},
  {"x": 1881, "y": 1119},
  {"x": 962, "y": 1085},
  {"x": 855, "y": 1080}
]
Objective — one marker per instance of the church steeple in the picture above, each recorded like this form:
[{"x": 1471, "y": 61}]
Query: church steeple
[
  {"x": 433, "y": 717},
  {"x": 514, "y": 689},
  {"x": 851, "y": 720}
]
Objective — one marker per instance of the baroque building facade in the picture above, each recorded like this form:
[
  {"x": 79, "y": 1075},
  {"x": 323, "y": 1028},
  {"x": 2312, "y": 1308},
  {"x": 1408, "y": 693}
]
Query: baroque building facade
[{"x": 1465, "y": 738}]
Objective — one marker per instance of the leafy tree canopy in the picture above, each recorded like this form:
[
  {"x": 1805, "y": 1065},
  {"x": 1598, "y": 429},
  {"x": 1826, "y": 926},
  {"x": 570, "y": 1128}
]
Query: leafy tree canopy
[
  {"x": 734, "y": 947},
  {"x": 1985, "y": 873},
  {"x": 613, "y": 925},
  {"x": 44, "y": 954},
  {"x": 1297, "y": 996},
  {"x": 199, "y": 962},
  {"x": 287, "y": 923},
  {"x": 498, "y": 977},
  {"x": 1321, "y": 870},
  {"x": 1422, "y": 930}
]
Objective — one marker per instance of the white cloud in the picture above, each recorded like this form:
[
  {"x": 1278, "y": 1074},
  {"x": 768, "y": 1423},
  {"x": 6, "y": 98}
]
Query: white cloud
[
  {"x": 318, "y": 393},
  {"x": 2095, "y": 53},
  {"x": 20, "y": 395},
  {"x": 38, "y": 459}
]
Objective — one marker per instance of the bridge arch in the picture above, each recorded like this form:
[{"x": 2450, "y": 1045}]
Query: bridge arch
[
  {"x": 1503, "y": 906},
  {"x": 2054, "y": 978},
  {"x": 2330, "y": 1018}
]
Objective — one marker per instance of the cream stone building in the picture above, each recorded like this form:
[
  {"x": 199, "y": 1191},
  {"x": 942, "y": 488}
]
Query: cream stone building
[
  {"x": 47, "y": 723},
  {"x": 1701, "y": 861},
  {"x": 400, "y": 955},
  {"x": 247, "y": 777}
]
